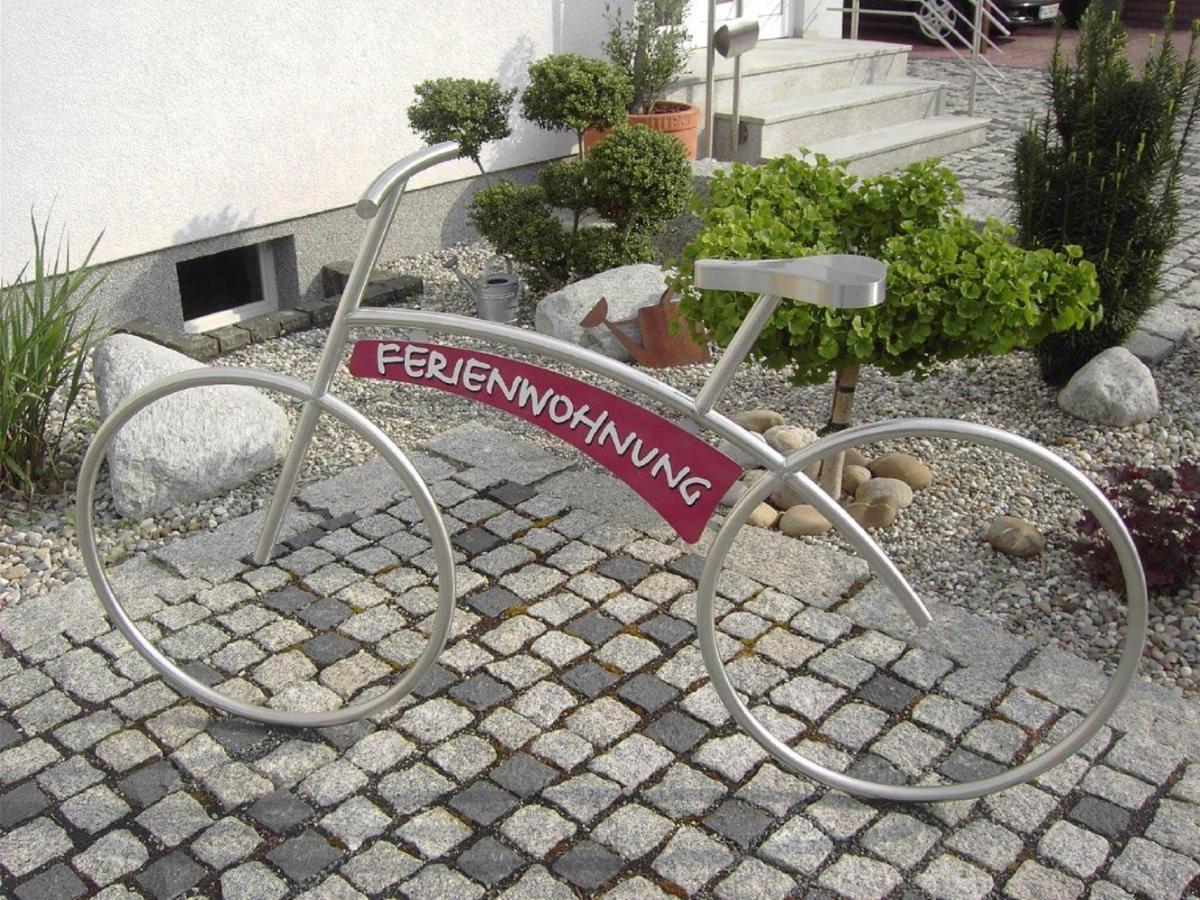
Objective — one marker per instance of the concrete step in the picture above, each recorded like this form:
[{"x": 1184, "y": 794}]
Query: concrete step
[
  {"x": 790, "y": 67},
  {"x": 886, "y": 149},
  {"x": 782, "y": 126}
]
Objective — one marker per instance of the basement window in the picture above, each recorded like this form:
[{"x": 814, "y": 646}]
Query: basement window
[{"x": 227, "y": 287}]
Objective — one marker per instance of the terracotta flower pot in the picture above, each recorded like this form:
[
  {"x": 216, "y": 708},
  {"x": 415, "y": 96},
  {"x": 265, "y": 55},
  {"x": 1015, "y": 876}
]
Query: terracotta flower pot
[{"x": 679, "y": 119}]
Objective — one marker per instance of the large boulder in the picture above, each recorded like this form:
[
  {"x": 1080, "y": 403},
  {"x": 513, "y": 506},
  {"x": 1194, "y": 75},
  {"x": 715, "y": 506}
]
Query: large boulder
[
  {"x": 191, "y": 445},
  {"x": 1114, "y": 388},
  {"x": 627, "y": 289}
]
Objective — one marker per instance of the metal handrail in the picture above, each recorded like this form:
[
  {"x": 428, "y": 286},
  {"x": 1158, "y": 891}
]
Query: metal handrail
[{"x": 983, "y": 9}]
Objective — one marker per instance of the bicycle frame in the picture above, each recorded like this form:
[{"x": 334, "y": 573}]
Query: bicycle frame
[{"x": 379, "y": 203}]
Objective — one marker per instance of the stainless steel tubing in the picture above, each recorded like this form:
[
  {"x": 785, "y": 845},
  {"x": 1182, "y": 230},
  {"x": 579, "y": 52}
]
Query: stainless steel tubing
[
  {"x": 710, "y": 65},
  {"x": 378, "y": 204},
  {"x": 348, "y": 416},
  {"x": 1080, "y": 486}
]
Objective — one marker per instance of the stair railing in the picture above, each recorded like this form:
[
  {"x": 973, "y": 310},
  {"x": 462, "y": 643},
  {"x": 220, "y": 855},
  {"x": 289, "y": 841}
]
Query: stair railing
[{"x": 984, "y": 10}]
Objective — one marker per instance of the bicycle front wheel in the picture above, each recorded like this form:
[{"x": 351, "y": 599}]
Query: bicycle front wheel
[
  {"x": 837, "y": 724},
  {"x": 284, "y": 644}
]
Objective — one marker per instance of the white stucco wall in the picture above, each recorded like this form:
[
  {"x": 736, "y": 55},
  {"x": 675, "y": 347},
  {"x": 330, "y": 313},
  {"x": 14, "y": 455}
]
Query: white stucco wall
[{"x": 162, "y": 123}]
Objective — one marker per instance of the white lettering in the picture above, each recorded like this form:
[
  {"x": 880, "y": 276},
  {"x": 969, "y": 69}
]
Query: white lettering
[
  {"x": 664, "y": 464},
  {"x": 437, "y": 365},
  {"x": 529, "y": 392},
  {"x": 474, "y": 375},
  {"x": 452, "y": 378},
  {"x": 613, "y": 437},
  {"x": 593, "y": 424},
  {"x": 563, "y": 403},
  {"x": 508, "y": 390},
  {"x": 645, "y": 460},
  {"x": 385, "y": 355},
  {"x": 413, "y": 368},
  {"x": 691, "y": 497}
]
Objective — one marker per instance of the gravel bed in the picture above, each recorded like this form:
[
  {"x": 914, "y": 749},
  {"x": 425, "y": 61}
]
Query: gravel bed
[{"x": 937, "y": 542}]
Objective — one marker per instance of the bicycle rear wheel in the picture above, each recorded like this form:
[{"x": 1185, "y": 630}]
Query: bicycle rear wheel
[
  {"x": 1048, "y": 750},
  {"x": 228, "y": 619}
]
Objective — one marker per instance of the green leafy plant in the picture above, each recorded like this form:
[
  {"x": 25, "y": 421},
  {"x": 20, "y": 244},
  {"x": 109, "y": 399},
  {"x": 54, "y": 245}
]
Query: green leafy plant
[
  {"x": 569, "y": 92},
  {"x": 1161, "y": 509},
  {"x": 45, "y": 337},
  {"x": 467, "y": 111},
  {"x": 954, "y": 290},
  {"x": 1102, "y": 171},
  {"x": 635, "y": 178},
  {"x": 650, "y": 46}
]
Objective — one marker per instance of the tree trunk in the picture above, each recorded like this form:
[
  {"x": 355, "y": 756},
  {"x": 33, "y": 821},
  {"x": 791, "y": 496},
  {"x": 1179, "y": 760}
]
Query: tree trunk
[{"x": 844, "y": 383}]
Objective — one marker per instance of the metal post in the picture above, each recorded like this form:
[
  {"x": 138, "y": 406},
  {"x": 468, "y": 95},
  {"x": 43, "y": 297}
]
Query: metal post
[
  {"x": 976, "y": 37},
  {"x": 710, "y": 64},
  {"x": 854, "y": 21},
  {"x": 734, "y": 139}
]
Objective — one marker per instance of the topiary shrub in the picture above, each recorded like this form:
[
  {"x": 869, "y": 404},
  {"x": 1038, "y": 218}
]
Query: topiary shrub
[
  {"x": 1161, "y": 509},
  {"x": 568, "y": 92},
  {"x": 1102, "y": 171},
  {"x": 464, "y": 110},
  {"x": 636, "y": 178},
  {"x": 953, "y": 290}
]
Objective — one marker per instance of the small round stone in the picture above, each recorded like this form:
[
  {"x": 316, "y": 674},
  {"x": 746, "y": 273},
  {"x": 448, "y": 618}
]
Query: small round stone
[
  {"x": 763, "y": 516},
  {"x": 905, "y": 467},
  {"x": 759, "y": 420},
  {"x": 893, "y": 488},
  {"x": 803, "y": 520},
  {"x": 854, "y": 477},
  {"x": 1014, "y": 536}
]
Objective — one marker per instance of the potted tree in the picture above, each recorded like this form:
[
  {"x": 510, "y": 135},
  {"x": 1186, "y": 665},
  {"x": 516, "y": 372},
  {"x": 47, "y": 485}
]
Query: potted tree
[{"x": 650, "y": 47}]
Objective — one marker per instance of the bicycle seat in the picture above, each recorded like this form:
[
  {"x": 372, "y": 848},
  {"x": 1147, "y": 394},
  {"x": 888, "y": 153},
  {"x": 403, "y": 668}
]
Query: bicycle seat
[{"x": 840, "y": 280}]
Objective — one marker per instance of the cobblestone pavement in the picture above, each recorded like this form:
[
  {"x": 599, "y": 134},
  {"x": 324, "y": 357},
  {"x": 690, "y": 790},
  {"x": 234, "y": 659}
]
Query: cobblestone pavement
[
  {"x": 568, "y": 742},
  {"x": 985, "y": 173}
]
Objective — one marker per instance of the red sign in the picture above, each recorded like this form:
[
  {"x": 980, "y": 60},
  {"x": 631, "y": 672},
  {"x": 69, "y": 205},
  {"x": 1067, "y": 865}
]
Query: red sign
[{"x": 678, "y": 474}]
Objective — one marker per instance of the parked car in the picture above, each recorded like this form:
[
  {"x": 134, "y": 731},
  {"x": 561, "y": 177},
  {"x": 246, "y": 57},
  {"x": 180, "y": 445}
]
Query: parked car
[{"x": 932, "y": 17}]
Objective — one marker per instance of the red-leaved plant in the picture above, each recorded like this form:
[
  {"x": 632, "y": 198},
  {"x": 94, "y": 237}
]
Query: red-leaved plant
[{"x": 1161, "y": 508}]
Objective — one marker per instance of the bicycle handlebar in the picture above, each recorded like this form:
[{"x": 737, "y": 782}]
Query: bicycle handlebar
[{"x": 398, "y": 173}]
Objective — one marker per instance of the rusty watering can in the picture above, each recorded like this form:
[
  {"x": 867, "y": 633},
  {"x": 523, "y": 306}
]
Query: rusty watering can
[
  {"x": 496, "y": 292},
  {"x": 662, "y": 345}
]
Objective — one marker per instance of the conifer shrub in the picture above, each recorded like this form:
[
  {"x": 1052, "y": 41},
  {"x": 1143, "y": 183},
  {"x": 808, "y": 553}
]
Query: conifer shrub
[{"x": 1102, "y": 171}]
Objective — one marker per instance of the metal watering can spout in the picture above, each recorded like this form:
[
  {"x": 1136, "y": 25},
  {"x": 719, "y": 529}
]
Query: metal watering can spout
[{"x": 471, "y": 285}]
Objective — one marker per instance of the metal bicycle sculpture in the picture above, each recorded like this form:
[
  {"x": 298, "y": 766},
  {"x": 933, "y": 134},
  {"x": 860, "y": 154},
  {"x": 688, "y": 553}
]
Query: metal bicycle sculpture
[{"x": 679, "y": 474}]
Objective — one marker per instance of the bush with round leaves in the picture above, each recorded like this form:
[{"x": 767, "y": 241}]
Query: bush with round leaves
[
  {"x": 954, "y": 290},
  {"x": 464, "y": 110}
]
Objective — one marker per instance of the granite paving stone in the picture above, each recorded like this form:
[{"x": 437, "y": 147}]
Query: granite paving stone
[
  {"x": 1147, "y": 868},
  {"x": 568, "y": 741},
  {"x": 112, "y": 856},
  {"x": 537, "y": 829},
  {"x": 488, "y": 861},
  {"x": 252, "y": 881},
  {"x": 950, "y": 878},
  {"x": 380, "y": 866},
  {"x": 169, "y": 877},
  {"x": 691, "y": 859},
  {"x": 27, "y": 848},
  {"x": 302, "y": 857},
  {"x": 94, "y": 809},
  {"x": 56, "y": 883},
  {"x": 987, "y": 843},
  {"x": 1034, "y": 881},
  {"x": 225, "y": 842}
]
